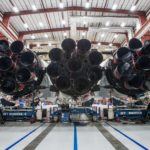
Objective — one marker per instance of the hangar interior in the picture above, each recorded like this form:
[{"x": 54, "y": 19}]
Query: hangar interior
[{"x": 74, "y": 74}]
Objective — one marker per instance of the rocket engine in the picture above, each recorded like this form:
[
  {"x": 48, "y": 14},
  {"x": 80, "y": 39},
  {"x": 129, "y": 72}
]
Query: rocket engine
[
  {"x": 75, "y": 69},
  {"x": 129, "y": 70},
  {"x": 21, "y": 71}
]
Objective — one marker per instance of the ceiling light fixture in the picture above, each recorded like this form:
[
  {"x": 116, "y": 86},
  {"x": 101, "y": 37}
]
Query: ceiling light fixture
[
  {"x": 87, "y": 5},
  {"x": 46, "y": 36},
  {"x": 38, "y": 45},
  {"x": 34, "y": 8},
  {"x": 84, "y": 22},
  {"x": 25, "y": 25},
  {"x": 133, "y": 8},
  {"x": 61, "y": 5},
  {"x": 65, "y": 34},
  {"x": 114, "y": 7},
  {"x": 115, "y": 36},
  {"x": 63, "y": 22},
  {"x": 123, "y": 24},
  {"x": 49, "y": 44},
  {"x": 110, "y": 44},
  {"x": 83, "y": 33},
  {"x": 107, "y": 24},
  {"x": 99, "y": 44},
  {"x": 41, "y": 24},
  {"x": 15, "y": 9},
  {"x": 32, "y": 37},
  {"x": 102, "y": 35}
]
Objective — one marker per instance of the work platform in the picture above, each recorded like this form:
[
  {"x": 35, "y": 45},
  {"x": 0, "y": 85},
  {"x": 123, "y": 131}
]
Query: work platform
[{"x": 98, "y": 136}]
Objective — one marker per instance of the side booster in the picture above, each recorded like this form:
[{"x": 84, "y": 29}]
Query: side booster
[
  {"x": 21, "y": 71},
  {"x": 129, "y": 70},
  {"x": 74, "y": 69}
]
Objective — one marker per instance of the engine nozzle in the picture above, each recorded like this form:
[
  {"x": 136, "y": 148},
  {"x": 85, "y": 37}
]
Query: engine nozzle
[
  {"x": 8, "y": 85},
  {"x": 83, "y": 45},
  {"x": 68, "y": 45},
  {"x": 23, "y": 75},
  {"x": 95, "y": 58},
  {"x": 55, "y": 54},
  {"x": 53, "y": 69},
  {"x": 6, "y": 63},
  {"x": 63, "y": 83},
  {"x": 74, "y": 64},
  {"x": 27, "y": 58},
  {"x": 81, "y": 84},
  {"x": 4, "y": 45},
  {"x": 16, "y": 47}
]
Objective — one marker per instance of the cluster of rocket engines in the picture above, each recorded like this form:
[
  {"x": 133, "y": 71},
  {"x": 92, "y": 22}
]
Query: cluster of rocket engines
[
  {"x": 21, "y": 70},
  {"x": 75, "y": 69},
  {"x": 129, "y": 70}
]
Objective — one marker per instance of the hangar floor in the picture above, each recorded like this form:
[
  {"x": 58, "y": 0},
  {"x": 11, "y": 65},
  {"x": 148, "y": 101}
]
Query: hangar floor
[{"x": 104, "y": 136}]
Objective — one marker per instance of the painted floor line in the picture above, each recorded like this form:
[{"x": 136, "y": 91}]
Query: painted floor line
[
  {"x": 21, "y": 139},
  {"x": 34, "y": 144},
  {"x": 112, "y": 139},
  {"x": 134, "y": 141},
  {"x": 75, "y": 138}
]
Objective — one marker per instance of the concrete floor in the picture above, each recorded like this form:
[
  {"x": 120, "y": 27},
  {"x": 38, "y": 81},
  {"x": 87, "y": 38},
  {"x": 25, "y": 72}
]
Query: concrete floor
[{"x": 105, "y": 136}]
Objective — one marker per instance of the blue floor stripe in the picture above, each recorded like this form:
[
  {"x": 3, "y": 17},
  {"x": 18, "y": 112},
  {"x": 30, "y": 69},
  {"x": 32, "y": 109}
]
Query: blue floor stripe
[
  {"x": 137, "y": 143},
  {"x": 12, "y": 145},
  {"x": 75, "y": 138}
]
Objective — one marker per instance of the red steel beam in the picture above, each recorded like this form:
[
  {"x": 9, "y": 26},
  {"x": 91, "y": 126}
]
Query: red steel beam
[
  {"x": 145, "y": 38},
  {"x": 44, "y": 30},
  {"x": 5, "y": 28},
  {"x": 20, "y": 37},
  {"x": 124, "y": 33},
  {"x": 59, "y": 30},
  {"x": 6, "y": 20},
  {"x": 93, "y": 42},
  {"x": 83, "y": 28},
  {"x": 21, "y": 34},
  {"x": 142, "y": 28},
  {"x": 147, "y": 34},
  {"x": 2, "y": 36},
  {"x": 76, "y": 8},
  {"x": 142, "y": 19}
]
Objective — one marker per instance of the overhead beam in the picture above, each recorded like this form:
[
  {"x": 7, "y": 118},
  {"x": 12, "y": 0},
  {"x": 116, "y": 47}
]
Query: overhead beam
[
  {"x": 59, "y": 30},
  {"x": 2, "y": 36},
  {"x": 124, "y": 33},
  {"x": 147, "y": 34},
  {"x": 44, "y": 31},
  {"x": 7, "y": 32},
  {"x": 75, "y": 8},
  {"x": 98, "y": 19},
  {"x": 145, "y": 38},
  {"x": 142, "y": 19},
  {"x": 6, "y": 20},
  {"x": 144, "y": 29},
  {"x": 110, "y": 29},
  {"x": 93, "y": 42}
]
